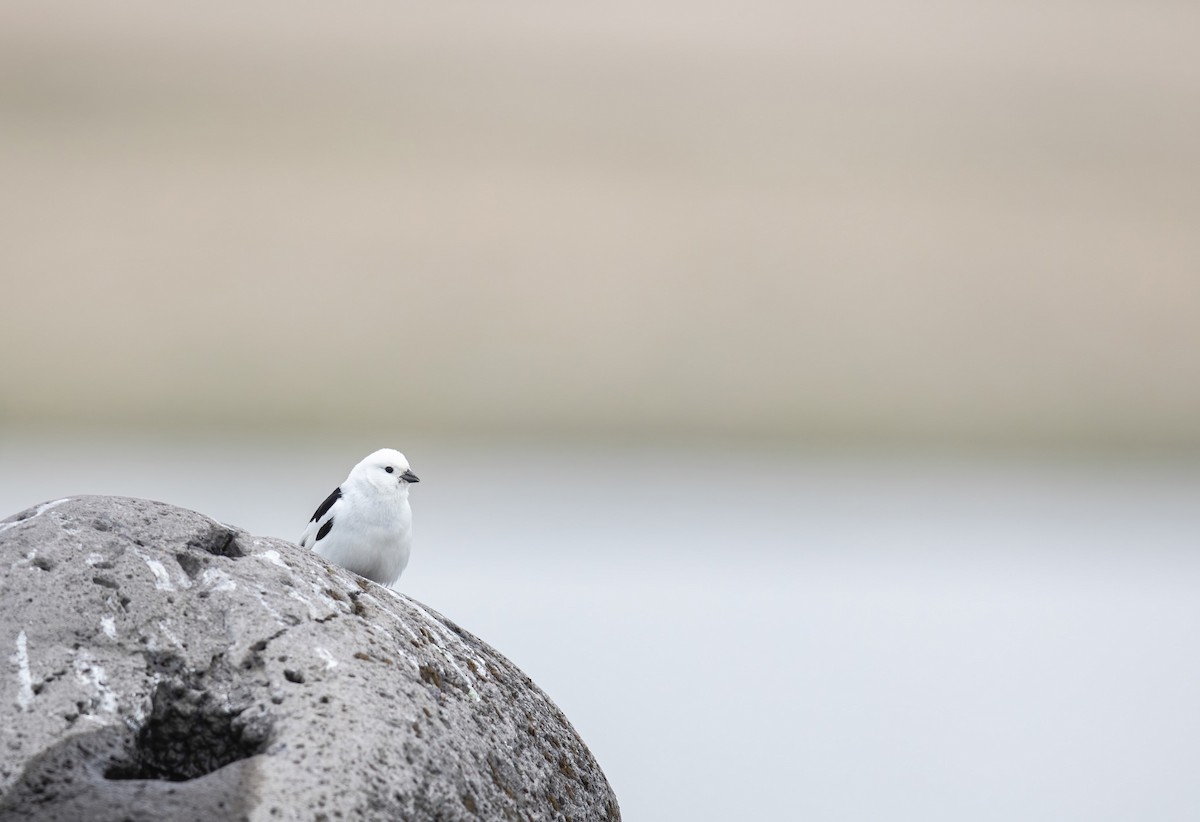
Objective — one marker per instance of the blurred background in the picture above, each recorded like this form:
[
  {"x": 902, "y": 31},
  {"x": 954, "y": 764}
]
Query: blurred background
[{"x": 806, "y": 395}]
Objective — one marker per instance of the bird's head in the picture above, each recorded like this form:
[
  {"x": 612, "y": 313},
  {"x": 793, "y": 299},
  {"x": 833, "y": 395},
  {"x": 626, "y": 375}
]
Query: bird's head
[{"x": 386, "y": 469}]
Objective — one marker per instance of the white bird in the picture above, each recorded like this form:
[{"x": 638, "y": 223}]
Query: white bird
[{"x": 366, "y": 523}]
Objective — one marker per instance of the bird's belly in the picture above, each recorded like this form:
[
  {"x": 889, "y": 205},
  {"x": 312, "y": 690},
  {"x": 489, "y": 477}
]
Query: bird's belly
[{"x": 376, "y": 553}]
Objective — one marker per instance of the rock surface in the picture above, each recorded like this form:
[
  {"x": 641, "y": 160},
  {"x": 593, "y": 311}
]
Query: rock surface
[{"x": 158, "y": 665}]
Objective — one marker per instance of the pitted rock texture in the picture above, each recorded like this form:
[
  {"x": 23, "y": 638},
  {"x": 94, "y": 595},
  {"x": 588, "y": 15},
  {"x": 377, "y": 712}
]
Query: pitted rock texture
[{"x": 157, "y": 664}]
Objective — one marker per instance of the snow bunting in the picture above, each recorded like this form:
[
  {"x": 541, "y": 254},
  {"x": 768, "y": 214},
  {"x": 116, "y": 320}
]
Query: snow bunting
[{"x": 365, "y": 525}]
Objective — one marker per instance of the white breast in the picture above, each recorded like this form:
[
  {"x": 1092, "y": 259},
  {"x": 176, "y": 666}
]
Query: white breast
[{"x": 371, "y": 535}]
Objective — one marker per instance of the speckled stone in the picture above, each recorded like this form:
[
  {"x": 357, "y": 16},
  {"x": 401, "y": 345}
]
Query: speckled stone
[{"x": 157, "y": 664}]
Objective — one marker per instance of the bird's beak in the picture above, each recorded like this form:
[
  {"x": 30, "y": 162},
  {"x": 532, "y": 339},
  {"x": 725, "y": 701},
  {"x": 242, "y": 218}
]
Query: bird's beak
[{"x": 409, "y": 476}]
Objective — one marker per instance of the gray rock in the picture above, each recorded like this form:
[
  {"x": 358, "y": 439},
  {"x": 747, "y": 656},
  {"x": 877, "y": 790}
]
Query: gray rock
[{"x": 157, "y": 664}]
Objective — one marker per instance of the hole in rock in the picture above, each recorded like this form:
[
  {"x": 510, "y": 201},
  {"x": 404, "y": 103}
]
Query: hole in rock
[
  {"x": 188, "y": 734},
  {"x": 191, "y": 564},
  {"x": 218, "y": 540}
]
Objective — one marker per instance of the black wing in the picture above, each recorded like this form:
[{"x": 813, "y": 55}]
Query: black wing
[
  {"x": 327, "y": 504},
  {"x": 324, "y": 530}
]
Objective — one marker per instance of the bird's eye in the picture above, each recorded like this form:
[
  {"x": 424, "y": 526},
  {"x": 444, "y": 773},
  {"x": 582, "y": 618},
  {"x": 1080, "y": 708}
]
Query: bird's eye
[{"x": 389, "y": 469}]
